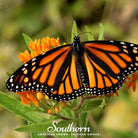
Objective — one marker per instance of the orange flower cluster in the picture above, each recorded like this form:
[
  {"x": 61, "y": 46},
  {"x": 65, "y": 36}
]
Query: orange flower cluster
[
  {"x": 28, "y": 96},
  {"x": 57, "y": 109},
  {"x": 37, "y": 47},
  {"x": 132, "y": 81}
]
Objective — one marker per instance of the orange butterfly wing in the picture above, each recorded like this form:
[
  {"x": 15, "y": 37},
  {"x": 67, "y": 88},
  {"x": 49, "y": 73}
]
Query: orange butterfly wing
[
  {"x": 70, "y": 86},
  {"x": 108, "y": 65},
  {"x": 53, "y": 73}
]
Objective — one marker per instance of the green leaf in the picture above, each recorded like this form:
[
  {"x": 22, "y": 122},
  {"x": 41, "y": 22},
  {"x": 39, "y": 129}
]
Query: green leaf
[
  {"x": 35, "y": 134},
  {"x": 27, "y": 40},
  {"x": 35, "y": 127},
  {"x": 101, "y": 33},
  {"x": 67, "y": 112},
  {"x": 48, "y": 127},
  {"x": 90, "y": 37},
  {"x": 74, "y": 30},
  {"x": 23, "y": 111}
]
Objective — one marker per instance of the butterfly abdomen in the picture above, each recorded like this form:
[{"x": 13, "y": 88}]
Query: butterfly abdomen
[
  {"x": 83, "y": 74},
  {"x": 78, "y": 52}
]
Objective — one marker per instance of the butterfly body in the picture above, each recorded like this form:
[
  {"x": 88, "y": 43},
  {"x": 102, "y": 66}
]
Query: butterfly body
[
  {"x": 78, "y": 52},
  {"x": 69, "y": 71}
]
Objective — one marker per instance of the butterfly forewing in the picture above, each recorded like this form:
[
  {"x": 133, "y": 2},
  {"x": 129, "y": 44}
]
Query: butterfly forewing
[
  {"x": 118, "y": 59},
  {"x": 39, "y": 73},
  {"x": 53, "y": 73}
]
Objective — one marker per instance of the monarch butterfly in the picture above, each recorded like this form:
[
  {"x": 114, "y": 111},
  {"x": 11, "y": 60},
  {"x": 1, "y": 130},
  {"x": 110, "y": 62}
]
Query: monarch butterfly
[{"x": 69, "y": 71}]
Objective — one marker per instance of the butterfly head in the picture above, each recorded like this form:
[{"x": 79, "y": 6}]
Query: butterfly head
[
  {"x": 76, "y": 39},
  {"x": 77, "y": 43}
]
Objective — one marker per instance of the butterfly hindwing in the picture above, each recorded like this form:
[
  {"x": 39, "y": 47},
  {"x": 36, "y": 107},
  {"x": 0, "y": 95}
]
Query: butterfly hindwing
[
  {"x": 100, "y": 83},
  {"x": 70, "y": 86}
]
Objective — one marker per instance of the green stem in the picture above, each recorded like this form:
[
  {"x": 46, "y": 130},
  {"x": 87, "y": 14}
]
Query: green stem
[
  {"x": 80, "y": 104},
  {"x": 82, "y": 101},
  {"x": 71, "y": 103}
]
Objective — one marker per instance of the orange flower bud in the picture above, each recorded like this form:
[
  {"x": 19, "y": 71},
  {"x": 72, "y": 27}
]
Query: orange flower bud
[
  {"x": 57, "y": 109},
  {"x": 46, "y": 97},
  {"x": 63, "y": 104},
  {"x": 50, "y": 111},
  {"x": 40, "y": 95}
]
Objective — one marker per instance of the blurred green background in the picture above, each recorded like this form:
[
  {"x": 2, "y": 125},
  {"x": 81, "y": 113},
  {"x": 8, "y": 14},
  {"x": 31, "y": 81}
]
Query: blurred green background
[{"x": 39, "y": 18}]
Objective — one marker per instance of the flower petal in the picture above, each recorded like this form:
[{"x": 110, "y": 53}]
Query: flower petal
[{"x": 28, "y": 96}]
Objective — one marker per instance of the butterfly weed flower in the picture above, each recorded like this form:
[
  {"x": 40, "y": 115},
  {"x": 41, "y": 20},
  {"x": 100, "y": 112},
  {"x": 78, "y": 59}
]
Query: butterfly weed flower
[
  {"x": 46, "y": 97},
  {"x": 57, "y": 110},
  {"x": 39, "y": 46},
  {"x": 50, "y": 111},
  {"x": 40, "y": 95},
  {"x": 131, "y": 81},
  {"x": 28, "y": 96}
]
